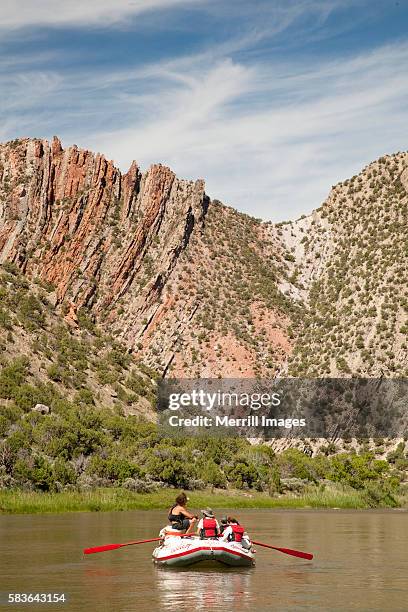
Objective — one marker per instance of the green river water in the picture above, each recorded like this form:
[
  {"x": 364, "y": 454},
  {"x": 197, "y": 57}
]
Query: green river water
[{"x": 361, "y": 563}]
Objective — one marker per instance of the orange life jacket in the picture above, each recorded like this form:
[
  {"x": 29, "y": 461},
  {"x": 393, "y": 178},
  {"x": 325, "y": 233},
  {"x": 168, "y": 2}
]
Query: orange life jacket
[
  {"x": 209, "y": 529},
  {"x": 237, "y": 533}
]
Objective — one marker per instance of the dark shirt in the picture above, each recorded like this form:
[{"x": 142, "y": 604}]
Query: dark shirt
[{"x": 176, "y": 518}]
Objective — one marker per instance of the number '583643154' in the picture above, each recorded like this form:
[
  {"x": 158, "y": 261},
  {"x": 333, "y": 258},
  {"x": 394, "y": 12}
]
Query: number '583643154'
[{"x": 21, "y": 598}]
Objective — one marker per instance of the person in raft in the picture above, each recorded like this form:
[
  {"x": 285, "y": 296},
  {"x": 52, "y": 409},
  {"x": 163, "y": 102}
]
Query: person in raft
[
  {"x": 179, "y": 517},
  {"x": 223, "y": 524},
  {"x": 208, "y": 526},
  {"x": 234, "y": 532}
]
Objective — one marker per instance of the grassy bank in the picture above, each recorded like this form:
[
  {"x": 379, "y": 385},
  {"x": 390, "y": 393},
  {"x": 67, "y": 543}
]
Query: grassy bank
[{"x": 103, "y": 500}]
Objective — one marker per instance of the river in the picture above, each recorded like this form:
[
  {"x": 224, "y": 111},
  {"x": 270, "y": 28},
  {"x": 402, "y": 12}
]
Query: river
[{"x": 361, "y": 563}]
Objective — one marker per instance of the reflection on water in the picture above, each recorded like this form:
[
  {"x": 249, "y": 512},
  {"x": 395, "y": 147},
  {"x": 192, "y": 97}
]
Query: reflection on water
[
  {"x": 204, "y": 588},
  {"x": 361, "y": 563}
]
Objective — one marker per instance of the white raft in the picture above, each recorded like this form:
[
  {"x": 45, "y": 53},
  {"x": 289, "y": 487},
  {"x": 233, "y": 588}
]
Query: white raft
[{"x": 176, "y": 551}]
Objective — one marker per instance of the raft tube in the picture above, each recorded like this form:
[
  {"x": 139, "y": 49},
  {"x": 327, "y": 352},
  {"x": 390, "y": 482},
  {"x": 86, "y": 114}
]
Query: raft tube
[{"x": 181, "y": 552}]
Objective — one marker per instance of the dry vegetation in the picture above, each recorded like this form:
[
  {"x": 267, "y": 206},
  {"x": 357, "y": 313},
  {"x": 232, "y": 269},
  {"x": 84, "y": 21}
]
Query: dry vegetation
[{"x": 357, "y": 303}]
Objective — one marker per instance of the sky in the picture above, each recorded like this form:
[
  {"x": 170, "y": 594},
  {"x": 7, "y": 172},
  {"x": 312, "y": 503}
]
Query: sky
[{"x": 270, "y": 101}]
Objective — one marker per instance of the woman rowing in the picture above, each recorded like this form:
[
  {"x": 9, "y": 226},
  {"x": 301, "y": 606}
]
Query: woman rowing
[{"x": 180, "y": 518}]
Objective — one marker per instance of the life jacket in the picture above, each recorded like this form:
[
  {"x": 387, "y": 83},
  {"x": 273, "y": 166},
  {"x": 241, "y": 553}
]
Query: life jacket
[
  {"x": 237, "y": 533},
  {"x": 209, "y": 529},
  {"x": 175, "y": 518}
]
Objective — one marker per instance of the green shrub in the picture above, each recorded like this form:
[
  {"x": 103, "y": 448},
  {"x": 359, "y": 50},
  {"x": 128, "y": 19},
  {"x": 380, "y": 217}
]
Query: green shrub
[
  {"x": 12, "y": 377},
  {"x": 85, "y": 396},
  {"x": 30, "y": 312},
  {"x": 6, "y": 321},
  {"x": 26, "y": 397}
]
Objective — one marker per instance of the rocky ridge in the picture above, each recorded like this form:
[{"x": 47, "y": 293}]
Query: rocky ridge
[{"x": 195, "y": 288}]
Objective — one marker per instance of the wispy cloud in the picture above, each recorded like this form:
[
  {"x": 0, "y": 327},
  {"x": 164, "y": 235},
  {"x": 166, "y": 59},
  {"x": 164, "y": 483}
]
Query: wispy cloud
[
  {"x": 270, "y": 139},
  {"x": 269, "y": 134},
  {"x": 27, "y": 13}
]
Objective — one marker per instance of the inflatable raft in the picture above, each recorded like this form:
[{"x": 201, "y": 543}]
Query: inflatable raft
[{"x": 175, "y": 551}]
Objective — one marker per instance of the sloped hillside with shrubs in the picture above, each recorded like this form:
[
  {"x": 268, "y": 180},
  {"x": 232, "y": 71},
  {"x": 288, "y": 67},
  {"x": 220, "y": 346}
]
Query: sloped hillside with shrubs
[
  {"x": 350, "y": 263},
  {"x": 45, "y": 360}
]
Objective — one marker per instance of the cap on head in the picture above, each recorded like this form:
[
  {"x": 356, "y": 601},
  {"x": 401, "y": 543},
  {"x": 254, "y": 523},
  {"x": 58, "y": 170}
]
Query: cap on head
[{"x": 208, "y": 512}]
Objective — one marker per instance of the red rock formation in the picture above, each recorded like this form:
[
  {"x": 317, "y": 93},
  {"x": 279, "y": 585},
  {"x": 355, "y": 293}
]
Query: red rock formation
[
  {"x": 196, "y": 288},
  {"x": 130, "y": 248}
]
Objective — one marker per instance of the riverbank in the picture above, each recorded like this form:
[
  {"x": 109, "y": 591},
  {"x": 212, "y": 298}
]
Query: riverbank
[{"x": 116, "y": 499}]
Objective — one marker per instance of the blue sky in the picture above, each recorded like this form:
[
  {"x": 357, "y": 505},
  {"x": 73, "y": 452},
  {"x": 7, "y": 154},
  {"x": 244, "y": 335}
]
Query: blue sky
[{"x": 271, "y": 102}]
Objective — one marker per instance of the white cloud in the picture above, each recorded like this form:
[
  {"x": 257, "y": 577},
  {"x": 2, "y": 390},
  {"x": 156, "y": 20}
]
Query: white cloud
[
  {"x": 29, "y": 13},
  {"x": 269, "y": 137}
]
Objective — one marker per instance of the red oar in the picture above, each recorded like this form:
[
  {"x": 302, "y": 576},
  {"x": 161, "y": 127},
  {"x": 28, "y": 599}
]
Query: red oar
[
  {"x": 96, "y": 549},
  {"x": 287, "y": 551}
]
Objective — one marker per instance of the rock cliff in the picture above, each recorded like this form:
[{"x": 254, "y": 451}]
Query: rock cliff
[
  {"x": 194, "y": 288},
  {"x": 181, "y": 281}
]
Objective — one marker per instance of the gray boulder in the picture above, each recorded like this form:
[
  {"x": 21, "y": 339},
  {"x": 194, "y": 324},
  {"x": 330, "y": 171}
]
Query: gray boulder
[{"x": 42, "y": 408}]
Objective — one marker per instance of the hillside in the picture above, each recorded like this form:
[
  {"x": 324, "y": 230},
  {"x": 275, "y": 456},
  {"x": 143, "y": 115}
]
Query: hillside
[
  {"x": 108, "y": 281},
  {"x": 75, "y": 417},
  {"x": 44, "y": 360},
  {"x": 351, "y": 268},
  {"x": 194, "y": 288},
  {"x": 188, "y": 285}
]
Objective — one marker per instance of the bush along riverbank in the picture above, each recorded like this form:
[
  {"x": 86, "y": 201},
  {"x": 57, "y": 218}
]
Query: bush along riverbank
[
  {"x": 119, "y": 499},
  {"x": 89, "y": 458}
]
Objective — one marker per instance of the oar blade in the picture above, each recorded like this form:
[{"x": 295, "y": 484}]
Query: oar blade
[
  {"x": 287, "y": 551},
  {"x": 97, "y": 549},
  {"x": 296, "y": 553}
]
